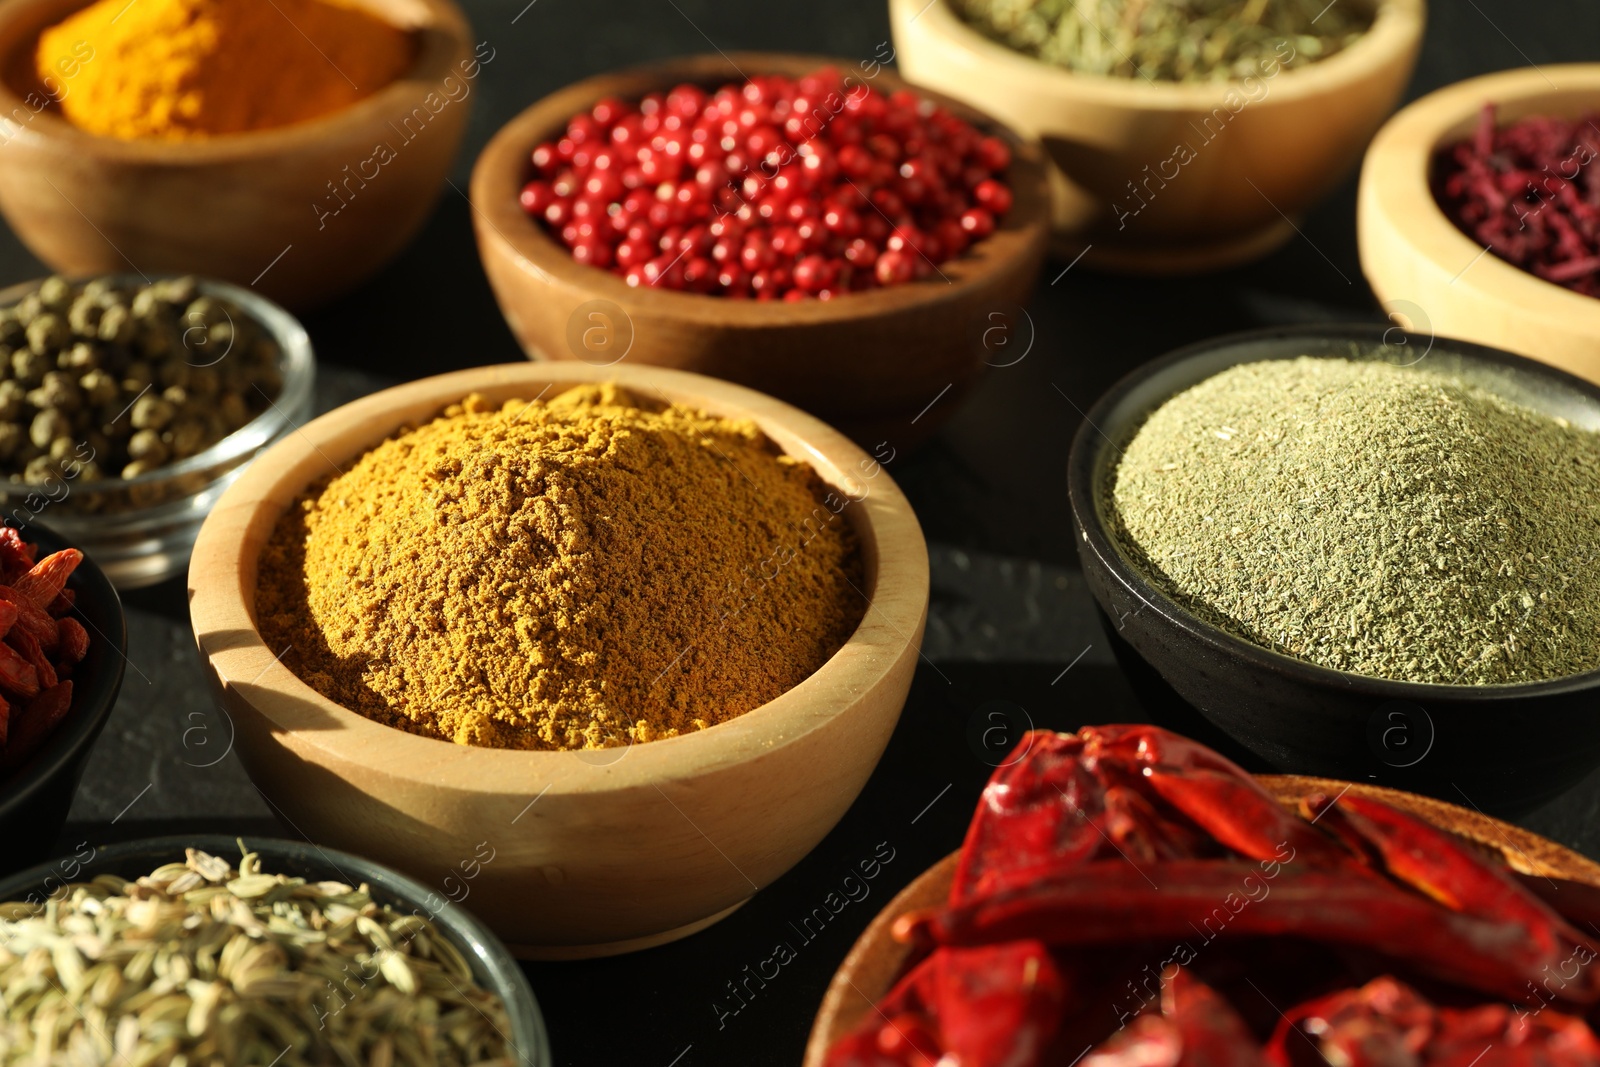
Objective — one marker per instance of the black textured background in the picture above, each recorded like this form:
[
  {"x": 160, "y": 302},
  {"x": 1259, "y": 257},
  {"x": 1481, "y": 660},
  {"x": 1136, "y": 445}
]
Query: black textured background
[{"x": 1009, "y": 612}]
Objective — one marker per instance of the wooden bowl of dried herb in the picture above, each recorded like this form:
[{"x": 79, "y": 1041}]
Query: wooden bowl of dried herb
[
  {"x": 1359, "y": 553},
  {"x": 1163, "y": 164},
  {"x": 603, "y": 839},
  {"x": 1475, "y": 278}
]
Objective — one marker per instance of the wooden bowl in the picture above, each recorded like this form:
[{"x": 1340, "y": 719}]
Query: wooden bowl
[
  {"x": 258, "y": 208},
  {"x": 1425, "y": 270},
  {"x": 871, "y": 362},
  {"x": 877, "y": 960},
  {"x": 589, "y": 852},
  {"x": 1166, "y": 177}
]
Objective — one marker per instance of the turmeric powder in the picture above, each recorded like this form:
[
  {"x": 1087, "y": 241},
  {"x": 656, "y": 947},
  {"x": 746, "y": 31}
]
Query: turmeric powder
[
  {"x": 185, "y": 69},
  {"x": 589, "y": 571}
]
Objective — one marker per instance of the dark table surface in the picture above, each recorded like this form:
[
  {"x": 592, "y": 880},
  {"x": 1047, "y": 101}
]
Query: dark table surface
[{"x": 1009, "y": 612}]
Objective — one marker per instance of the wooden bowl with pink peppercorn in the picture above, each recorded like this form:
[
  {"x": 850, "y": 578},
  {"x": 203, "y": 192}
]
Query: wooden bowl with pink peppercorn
[{"x": 884, "y": 357}]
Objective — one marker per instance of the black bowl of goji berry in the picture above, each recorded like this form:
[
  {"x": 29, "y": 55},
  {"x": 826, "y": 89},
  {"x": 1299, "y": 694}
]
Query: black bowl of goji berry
[
  {"x": 831, "y": 235},
  {"x": 62, "y": 653}
]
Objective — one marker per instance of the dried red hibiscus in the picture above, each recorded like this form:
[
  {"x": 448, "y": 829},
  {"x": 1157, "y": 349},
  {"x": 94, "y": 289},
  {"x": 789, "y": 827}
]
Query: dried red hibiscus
[
  {"x": 1128, "y": 898},
  {"x": 1530, "y": 193},
  {"x": 39, "y": 645}
]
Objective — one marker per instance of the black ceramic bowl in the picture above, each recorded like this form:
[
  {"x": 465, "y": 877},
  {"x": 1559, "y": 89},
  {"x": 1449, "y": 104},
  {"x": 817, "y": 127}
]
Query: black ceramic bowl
[
  {"x": 493, "y": 967},
  {"x": 1503, "y": 749},
  {"x": 35, "y": 798}
]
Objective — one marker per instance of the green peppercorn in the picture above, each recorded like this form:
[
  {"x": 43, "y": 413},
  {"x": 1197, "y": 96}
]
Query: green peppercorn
[
  {"x": 81, "y": 357},
  {"x": 29, "y": 367},
  {"x": 186, "y": 437},
  {"x": 47, "y": 426},
  {"x": 55, "y": 293},
  {"x": 151, "y": 412},
  {"x": 13, "y": 401},
  {"x": 13, "y": 331},
  {"x": 204, "y": 382},
  {"x": 174, "y": 373},
  {"x": 233, "y": 411},
  {"x": 48, "y": 333},
  {"x": 138, "y": 467},
  {"x": 62, "y": 449},
  {"x": 147, "y": 445},
  {"x": 40, "y": 469},
  {"x": 117, "y": 324},
  {"x": 138, "y": 376},
  {"x": 84, "y": 318},
  {"x": 100, "y": 288},
  {"x": 99, "y": 387},
  {"x": 176, "y": 290},
  {"x": 58, "y": 391},
  {"x": 12, "y": 438}
]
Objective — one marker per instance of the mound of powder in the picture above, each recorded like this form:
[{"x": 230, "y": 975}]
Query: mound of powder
[
  {"x": 594, "y": 570},
  {"x": 1399, "y": 522}
]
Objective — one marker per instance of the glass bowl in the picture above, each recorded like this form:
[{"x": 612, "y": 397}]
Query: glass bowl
[{"x": 140, "y": 530}]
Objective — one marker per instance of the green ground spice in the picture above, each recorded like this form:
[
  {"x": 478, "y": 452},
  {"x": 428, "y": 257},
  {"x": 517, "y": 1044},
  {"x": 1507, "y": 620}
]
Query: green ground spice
[
  {"x": 1398, "y": 522},
  {"x": 1171, "y": 40}
]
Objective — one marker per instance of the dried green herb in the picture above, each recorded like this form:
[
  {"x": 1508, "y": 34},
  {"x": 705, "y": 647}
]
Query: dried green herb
[
  {"x": 199, "y": 963},
  {"x": 1398, "y": 522},
  {"x": 1172, "y": 40}
]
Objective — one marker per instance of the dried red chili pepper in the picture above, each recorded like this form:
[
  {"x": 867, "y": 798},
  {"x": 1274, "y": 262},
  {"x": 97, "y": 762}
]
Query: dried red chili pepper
[
  {"x": 32, "y": 619},
  {"x": 37, "y": 719},
  {"x": 37, "y": 649},
  {"x": 74, "y": 641},
  {"x": 1530, "y": 193},
  {"x": 1108, "y": 847}
]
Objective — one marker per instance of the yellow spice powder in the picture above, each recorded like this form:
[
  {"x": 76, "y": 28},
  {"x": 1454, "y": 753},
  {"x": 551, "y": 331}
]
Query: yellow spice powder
[
  {"x": 184, "y": 69},
  {"x": 594, "y": 570}
]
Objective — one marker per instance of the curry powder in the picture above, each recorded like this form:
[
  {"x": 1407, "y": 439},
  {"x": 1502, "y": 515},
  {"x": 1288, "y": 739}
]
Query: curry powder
[
  {"x": 590, "y": 571},
  {"x": 185, "y": 69}
]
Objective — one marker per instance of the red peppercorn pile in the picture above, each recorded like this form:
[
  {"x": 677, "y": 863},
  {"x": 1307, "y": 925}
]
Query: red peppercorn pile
[
  {"x": 776, "y": 188},
  {"x": 1529, "y": 191},
  {"x": 40, "y": 644}
]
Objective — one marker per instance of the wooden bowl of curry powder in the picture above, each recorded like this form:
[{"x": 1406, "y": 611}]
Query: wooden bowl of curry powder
[{"x": 565, "y": 851}]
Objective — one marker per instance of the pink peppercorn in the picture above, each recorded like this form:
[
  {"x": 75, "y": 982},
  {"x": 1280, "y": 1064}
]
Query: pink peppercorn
[{"x": 775, "y": 188}]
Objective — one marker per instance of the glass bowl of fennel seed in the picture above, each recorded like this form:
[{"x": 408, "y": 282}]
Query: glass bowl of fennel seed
[
  {"x": 1358, "y": 553},
  {"x": 261, "y": 951},
  {"x": 128, "y": 404}
]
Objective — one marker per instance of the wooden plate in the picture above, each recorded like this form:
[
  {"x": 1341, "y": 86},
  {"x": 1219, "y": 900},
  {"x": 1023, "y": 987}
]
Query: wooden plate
[{"x": 876, "y": 960}]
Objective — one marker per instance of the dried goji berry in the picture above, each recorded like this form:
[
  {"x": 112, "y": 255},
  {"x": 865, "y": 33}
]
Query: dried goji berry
[{"x": 44, "y": 582}]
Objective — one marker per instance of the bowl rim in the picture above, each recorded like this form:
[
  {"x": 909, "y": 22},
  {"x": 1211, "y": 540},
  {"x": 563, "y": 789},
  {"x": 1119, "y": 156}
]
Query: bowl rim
[
  {"x": 1096, "y": 433},
  {"x": 494, "y": 187},
  {"x": 1395, "y": 179},
  {"x": 1396, "y": 29},
  {"x": 222, "y": 582},
  {"x": 479, "y": 945},
  {"x": 70, "y": 740},
  {"x": 297, "y": 363},
  {"x": 440, "y": 27}
]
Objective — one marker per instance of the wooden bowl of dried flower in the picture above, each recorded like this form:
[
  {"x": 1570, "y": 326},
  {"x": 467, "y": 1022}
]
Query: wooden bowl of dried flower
[
  {"x": 594, "y": 852},
  {"x": 1161, "y": 177},
  {"x": 1436, "y": 278},
  {"x": 302, "y": 213}
]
